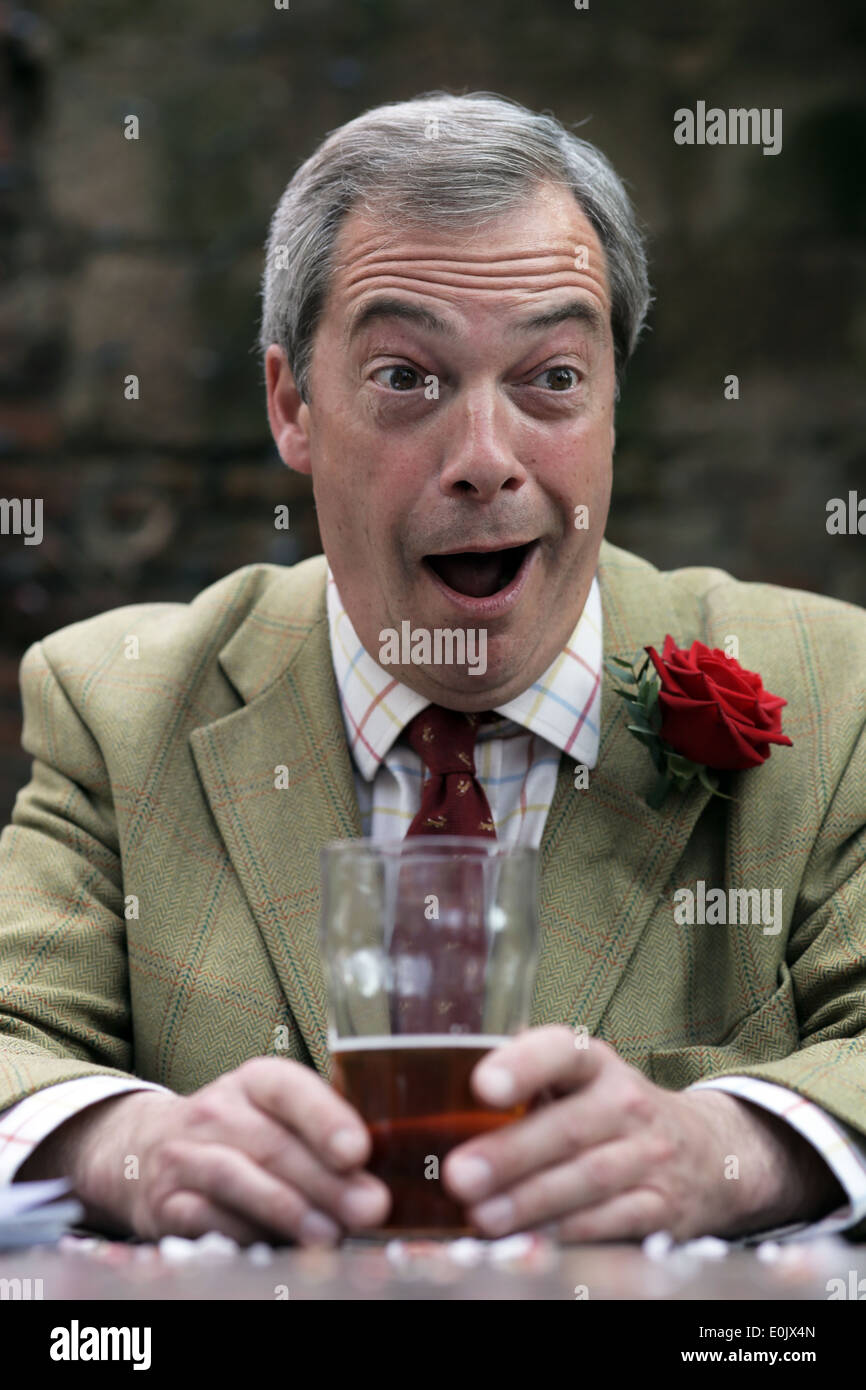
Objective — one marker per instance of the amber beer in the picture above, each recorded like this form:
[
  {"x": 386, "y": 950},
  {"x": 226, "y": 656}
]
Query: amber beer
[{"x": 414, "y": 1094}]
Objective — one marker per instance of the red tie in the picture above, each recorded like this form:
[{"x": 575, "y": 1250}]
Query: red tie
[
  {"x": 452, "y": 798},
  {"x": 441, "y": 990}
]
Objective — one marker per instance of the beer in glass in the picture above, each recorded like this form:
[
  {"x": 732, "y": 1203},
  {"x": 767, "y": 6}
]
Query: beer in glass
[{"x": 429, "y": 945}]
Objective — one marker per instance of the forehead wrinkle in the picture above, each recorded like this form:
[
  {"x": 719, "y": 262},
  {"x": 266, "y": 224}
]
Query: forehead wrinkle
[
  {"x": 375, "y": 263},
  {"x": 494, "y": 273},
  {"x": 383, "y": 306},
  {"x": 435, "y": 256}
]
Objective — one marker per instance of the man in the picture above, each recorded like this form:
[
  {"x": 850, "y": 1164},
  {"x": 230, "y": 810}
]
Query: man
[{"x": 453, "y": 288}]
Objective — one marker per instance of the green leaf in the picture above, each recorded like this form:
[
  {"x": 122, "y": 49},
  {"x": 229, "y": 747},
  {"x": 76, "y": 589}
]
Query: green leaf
[
  {"x": 617, "y": 676},
  {"x": 708, "y": 781},
  {"x": 648, "y": 702},
  {"x": 647, "y": 680},
  {"x": 659, "y": 792},
  {"x": 620, "y": 661},
  {"x": 637, "y": 712},
  {"x": 685, "y": 766},
  {"x": 658, "y": 752},
  {"x": 645, "y": 735},
  {"x": 712, "y": 785}
]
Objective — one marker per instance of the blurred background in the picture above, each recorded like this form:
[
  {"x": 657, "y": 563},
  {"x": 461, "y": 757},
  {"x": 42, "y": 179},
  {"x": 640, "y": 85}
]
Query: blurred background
[{"x": 144, "y": 256}]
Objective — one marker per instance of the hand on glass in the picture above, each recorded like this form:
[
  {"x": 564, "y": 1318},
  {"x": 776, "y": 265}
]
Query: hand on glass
[{"x": 612, "y": 1156}]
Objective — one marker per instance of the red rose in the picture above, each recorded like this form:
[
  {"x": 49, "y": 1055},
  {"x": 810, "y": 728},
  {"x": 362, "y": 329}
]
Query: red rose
[{"x": 713, "y": 711}]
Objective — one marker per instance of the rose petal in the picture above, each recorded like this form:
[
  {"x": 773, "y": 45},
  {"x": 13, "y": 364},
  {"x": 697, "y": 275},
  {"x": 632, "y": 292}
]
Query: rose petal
[{"x": 705, "y": 734}]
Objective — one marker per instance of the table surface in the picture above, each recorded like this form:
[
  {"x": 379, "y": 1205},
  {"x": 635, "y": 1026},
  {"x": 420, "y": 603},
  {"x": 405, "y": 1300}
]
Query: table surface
[{"x": 531, "y": 1267}]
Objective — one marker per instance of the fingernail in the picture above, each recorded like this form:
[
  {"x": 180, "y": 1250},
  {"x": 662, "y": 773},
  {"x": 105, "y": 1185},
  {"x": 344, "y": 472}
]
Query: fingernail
[
  {"x": 496, "y": 1215},
  {"x": 362, "y": 1206},
  {"x": 347, "y": 1145},
  {"x": 471, "y": 1176},
  {"x": 496, "y": 1083},
  {"x": 316, "y": 1227}
]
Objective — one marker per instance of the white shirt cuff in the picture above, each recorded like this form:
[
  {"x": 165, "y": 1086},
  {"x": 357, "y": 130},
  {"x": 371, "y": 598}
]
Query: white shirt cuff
[{"x": 31, "y": 1120}]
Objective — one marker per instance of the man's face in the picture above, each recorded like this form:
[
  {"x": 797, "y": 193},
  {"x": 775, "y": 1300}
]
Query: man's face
[{"x": 422, "y": 498}]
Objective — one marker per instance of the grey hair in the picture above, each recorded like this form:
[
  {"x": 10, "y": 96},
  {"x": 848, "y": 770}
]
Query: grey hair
[{"x": 439, "y": 160}]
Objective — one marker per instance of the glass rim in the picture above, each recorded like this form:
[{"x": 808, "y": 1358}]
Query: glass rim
[{"x": 418, "y": 846}]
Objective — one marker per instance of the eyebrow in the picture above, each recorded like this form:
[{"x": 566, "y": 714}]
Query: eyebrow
[
  {"x": 580, "y": 309},
  {"x": 384, "y": 307}
]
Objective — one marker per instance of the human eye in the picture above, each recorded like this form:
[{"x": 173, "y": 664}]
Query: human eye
[
  {"x": 565, "y": 377},
  {"x": 399, "y": 377}
]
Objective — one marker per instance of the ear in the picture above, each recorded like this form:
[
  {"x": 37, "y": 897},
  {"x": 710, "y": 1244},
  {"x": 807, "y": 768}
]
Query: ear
[
  {"x": 612, "y": 437},
  {"x": 288, "y": 416}
]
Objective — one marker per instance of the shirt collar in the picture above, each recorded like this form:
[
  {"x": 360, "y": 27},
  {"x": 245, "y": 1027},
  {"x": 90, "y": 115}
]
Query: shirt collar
[{"x": 562, "y": 706}]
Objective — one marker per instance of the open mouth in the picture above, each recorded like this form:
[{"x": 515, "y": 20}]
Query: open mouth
[{"x": 480, "y": 574}]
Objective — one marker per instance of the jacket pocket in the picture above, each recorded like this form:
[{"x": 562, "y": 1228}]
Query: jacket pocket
[{"x": 766, "y": 1035}]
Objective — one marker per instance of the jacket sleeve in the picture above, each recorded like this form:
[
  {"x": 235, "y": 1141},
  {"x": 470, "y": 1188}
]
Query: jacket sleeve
[
  {"x": 826, "y": 956},
  {"x": 64, "y": 989}
]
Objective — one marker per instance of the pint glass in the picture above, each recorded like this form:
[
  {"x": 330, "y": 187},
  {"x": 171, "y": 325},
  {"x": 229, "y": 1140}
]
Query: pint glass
[{"x": 429, "y": 947}]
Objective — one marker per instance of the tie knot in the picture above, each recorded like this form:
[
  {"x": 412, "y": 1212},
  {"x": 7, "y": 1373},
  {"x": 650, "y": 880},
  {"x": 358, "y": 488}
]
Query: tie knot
[{"x": 445, "y": 738}]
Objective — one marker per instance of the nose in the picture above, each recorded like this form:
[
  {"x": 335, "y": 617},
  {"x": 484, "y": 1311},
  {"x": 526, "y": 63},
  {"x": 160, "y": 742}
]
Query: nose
[{"x": 479, "y": 459}]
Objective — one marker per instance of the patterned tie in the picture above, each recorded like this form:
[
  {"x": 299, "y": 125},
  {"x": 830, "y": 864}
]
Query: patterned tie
[
  {"x": 440, "y": 949},
  {"x": 452, "y": 798}
]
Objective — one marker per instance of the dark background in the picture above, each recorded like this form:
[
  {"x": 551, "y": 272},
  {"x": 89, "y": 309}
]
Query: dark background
[{"x": 144, "y": 256}]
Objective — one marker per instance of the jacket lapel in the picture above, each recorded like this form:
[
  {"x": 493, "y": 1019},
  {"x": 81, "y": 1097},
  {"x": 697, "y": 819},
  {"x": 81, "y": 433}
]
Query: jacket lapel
[
  {"x": 292, "y": 718},
  {"x": 605, "y": 855}
]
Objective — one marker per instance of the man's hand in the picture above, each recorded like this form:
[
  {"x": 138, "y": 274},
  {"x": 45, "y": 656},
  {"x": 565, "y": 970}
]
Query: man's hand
[
  {"x": 615, "y": 1157},
  {"x": 269, "y": 1152}
]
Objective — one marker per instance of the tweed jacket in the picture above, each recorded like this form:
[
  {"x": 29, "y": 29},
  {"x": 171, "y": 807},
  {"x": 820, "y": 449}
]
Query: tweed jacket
[{"x": 159, "y": 894}]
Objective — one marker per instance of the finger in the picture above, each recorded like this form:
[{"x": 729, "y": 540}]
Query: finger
[
  {"x": 631, "y": 1215},
  {"x": 229, "y": 1178},
  {"x": 189, "y": 1214},
  {"x": 517, "y": 1070},
  {"x": 221, "y": 1116},
  {"x": 306, "y": 1104},
  {"x": 598, "y": 1175},
  {"x": 355, "y": 1201},
  {"x": 548, "y": 1136}
]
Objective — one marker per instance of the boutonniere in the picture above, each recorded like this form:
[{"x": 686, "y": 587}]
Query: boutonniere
[{"x": 698, "y": 712}]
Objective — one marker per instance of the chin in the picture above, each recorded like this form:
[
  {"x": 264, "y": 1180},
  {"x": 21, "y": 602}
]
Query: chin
[{"x": 458, "y": 688}]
